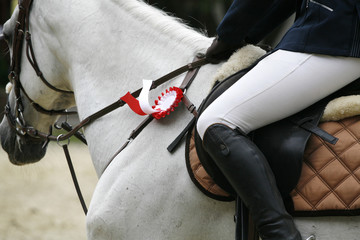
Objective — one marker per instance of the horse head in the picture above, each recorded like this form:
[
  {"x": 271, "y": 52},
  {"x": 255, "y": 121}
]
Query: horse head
[{"x": 34, "y": 102}]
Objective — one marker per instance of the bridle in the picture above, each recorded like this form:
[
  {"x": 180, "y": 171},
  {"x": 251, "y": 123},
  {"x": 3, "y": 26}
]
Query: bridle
[{"x": 17, "y": 121}]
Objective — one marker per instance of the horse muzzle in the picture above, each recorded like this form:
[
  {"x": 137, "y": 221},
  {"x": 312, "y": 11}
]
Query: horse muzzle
[{"x": 21, "y": 150}]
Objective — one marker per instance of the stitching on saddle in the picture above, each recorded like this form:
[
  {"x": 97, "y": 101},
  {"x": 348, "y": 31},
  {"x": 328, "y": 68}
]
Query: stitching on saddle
[
  {"x": 353, "y": 202},
  {"x": 317, "y": 174},
  {"x": 336, "y": 195},
  {"x": 329, "y": 189},
  {"x": 321, "y": 142},
  {"x": 351, "y": 173},
  {"x": 351, "y": 145},
  {"x": 210, "y": 188},
  {"x": 309, "y": 164},
  {"x": 203, "y": 182},
  {"x": 336, "y": 157},
  {"x": 305, "y": 199},
  {"x": 198, "y": 168},
  {"x": 310, "y": 178}
]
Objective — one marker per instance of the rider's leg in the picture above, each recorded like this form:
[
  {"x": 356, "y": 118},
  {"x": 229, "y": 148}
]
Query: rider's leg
[
  {"x": 249, "y": 173},
  {"x": 279, "y": 86}
]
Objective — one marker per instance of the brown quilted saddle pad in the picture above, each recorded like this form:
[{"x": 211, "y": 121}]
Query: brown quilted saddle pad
[
  {"x": 198, "y": 174},
  {"x": 330, "y": 178}
]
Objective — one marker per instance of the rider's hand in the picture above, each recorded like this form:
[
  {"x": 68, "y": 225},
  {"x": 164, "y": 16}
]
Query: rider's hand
[{"x": 219, "y": 50}]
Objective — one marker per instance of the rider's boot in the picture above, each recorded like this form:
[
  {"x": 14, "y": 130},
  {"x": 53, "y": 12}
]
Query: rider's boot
[{"x": 249, "y": 173}]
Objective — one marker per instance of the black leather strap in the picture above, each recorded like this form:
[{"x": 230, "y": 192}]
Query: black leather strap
[
  {"x": 172, "y": 147},
  {"x": 73, "y": 175},
  {"x": 311, "y": 127}
]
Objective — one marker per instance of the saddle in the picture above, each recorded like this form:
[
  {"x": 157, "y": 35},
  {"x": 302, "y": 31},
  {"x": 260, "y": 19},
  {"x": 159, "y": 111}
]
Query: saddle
[{"x": 286, "y": 146}]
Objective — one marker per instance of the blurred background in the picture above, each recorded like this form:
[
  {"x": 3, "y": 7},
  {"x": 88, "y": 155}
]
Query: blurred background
[
  {"x": 6, "y": 7},
  {"x": 38, "y": 201}
]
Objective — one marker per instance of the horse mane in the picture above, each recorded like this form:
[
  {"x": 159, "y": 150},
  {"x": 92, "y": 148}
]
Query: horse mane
[{"x": 165, "y": 23}]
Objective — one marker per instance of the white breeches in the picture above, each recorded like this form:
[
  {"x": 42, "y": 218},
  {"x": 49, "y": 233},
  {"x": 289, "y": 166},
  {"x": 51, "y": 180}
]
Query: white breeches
[{"x": 280, "y": 85}]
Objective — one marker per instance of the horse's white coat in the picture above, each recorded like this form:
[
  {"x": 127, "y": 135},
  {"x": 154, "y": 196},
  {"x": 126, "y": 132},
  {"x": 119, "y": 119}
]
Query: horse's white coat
[{"x": 101, "y": 50}]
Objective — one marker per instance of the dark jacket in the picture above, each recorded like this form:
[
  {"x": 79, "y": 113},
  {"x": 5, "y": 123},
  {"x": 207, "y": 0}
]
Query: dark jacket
[{"x": 322, "y": 26}]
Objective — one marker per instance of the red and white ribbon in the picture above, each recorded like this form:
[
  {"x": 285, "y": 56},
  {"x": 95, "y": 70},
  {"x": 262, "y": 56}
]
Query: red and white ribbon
[{"x": 165, "y": 103}]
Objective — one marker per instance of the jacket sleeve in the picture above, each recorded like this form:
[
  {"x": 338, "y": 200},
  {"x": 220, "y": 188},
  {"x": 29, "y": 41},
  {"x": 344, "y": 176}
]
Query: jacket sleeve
[{"x": 251, "y": 20}]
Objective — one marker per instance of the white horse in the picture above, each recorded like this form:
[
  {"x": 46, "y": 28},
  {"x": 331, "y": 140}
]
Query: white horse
[{"x": 100, "y": 50}]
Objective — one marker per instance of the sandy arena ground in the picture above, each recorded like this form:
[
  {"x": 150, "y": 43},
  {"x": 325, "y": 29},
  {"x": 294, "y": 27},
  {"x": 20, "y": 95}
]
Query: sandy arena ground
[{"x": 39, "y": 201}]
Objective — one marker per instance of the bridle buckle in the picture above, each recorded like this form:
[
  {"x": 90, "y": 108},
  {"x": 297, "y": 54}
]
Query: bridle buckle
[
  {"x": 12, "y": 76},
  {"x": 20, "y": 126}
]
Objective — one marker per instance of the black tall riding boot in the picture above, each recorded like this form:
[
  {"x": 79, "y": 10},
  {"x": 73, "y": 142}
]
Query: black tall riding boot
[{"x": 249, "y": 173}]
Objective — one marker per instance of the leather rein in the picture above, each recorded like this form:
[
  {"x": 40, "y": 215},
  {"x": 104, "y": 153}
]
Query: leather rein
[{"x": 18, "y": 123}]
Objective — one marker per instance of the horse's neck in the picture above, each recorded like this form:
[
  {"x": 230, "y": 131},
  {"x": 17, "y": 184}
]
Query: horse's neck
[
  {"x": 115, "y": 44},
  {"x": 112, "y": 47}
]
